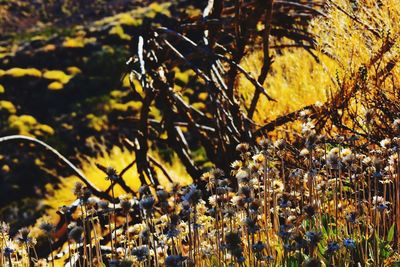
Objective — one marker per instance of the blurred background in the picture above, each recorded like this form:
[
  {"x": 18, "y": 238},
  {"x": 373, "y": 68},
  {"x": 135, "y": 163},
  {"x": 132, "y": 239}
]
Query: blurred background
[{"x": 62, "y": 66}]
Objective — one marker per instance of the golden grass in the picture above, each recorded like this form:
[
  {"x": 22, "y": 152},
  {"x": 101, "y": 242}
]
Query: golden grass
[
  {"x": 295, "y": 81},
  {"x": 343, "y": 46},
  {"x": 117, "y": 158}
]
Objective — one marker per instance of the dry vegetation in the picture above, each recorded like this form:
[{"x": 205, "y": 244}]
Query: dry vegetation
[{"x": 265, "y": 133}]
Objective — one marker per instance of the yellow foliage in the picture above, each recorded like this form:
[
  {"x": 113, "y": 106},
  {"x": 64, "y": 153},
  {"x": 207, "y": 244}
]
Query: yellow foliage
[
  {"x": 39, "y": 38},
  {"x": 97, "y": 123},
  {"x": 125, "y": 82},
  {"x": 73, "y": 42},
  {"x": 158, "y": 8},
  {"x": 67, "y": 126},
  {"x": 20, "y": 72},
  {"x": 57, "y": 75},
  {"x": 28, "y": 119},
  {"x": 353, "y": 45},
  {"x": 192, "y": 11},
  {"x": 117, "y": 158},
  {"x": 344, "y": 45},
  {"x": 45, "y": 129},
  {"x": 7, "y": 105},
  {"x": 131, "y": 105},
  {"x": 203, "y": 96},
  {"x": 5, "y": 168},
  {"x": 155, "y": 113},
  {"x": 183, "y": 76},
  {"x": 119, "y": 31},
  {"x": 5, "y": 51},
  {"x": 2, "y": 72},
  {"x": 73, "y": 70},
  {"x": 135, "y": 17},
  {"x": 127, "y": 19},
  {"x": 80, "y": 32},
  {"x": 49, "y": 48},
  {"x": 295, "y": 81},
  {"x": 199, "y": 105},
  {"x": 108, "y": 49},
  {"x": 28, "y": 125},
  {"x": 23, "y": 124},
  {"x": 2, "y": 90},
  {"x": 77, "y": 42},
  {"x": 138, "y": 86},
  {"x": 55, "y": 86},
  {"x": 119, "y": 94}
]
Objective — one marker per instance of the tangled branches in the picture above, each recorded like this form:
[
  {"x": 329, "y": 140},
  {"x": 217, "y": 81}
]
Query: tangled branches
[{"x": 212, "y": 46}]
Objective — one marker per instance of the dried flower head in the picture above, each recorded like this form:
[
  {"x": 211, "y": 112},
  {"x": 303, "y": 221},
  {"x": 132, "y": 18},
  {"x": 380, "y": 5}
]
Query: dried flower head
[
  {"x": 242, "y": 176},
  {"x": 4, "y": 228},
  {"x": 141, "y": 253},
  {"x": 242, "y": 148},
  {"x": 333, "y": 160},
  {"x": 47, "y": 228},
  {"x": 103, "y": 205},
  {"x": 23, "y": 236},
  {"x": 333, "y": 246},
  {"x": 77, "y": 189},
  {"x": 76, "y": 234},
  {"x": 174, "y": 261},
  {"x": 125, "y": 204},
  {"x": 147, "y": 202},
  {"x": 111, "y": 173},
  {"x": 349, "y": 243},
  {"x": 280, "y": 144},
  {"x": 396, "y": 126},
  {"x": 313, "y": 237},
  {"x": 192, "y": 195}
]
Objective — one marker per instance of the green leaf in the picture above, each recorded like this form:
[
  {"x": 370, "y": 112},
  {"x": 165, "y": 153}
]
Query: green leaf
[
  {"x": 390, "y": 234},
  {"x": 324, "y": 232}
]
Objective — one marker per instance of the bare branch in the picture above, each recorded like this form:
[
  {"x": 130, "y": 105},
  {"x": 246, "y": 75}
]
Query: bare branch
[
  {"x": 248, "y": 76},
  {"x": 161, "y": 167},
  {"x": 267, "y": 58},
  {"x": 78, "y": 172},
  {"x": 294, "y": 4}
]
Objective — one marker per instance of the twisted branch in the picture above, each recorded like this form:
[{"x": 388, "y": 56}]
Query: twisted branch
[{"x": 78, "y": 172}]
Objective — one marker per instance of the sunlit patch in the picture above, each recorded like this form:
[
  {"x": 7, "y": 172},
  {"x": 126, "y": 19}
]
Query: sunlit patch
[
  {"x": 118, "y": 158},
  {"x": 28, "y": 125},
  {"x": 20, "y": 72},
  {"x": 77, "y": 42},
  {"x": 7, "y": 106},
  {"x": 119, "y": 31},
  {"x": 286, "y": 83},
  {"x": 73, "y": 70},
  {"x": 55, "y": 86},
  {"x": 57, "y": 75}
]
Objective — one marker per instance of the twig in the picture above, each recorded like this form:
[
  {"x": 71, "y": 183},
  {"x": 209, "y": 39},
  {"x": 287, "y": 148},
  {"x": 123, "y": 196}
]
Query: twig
[
  {"x": 78, "y": 172},
  {"x": 267, "y": 58},
  {"x": 294, "y": 4},
  {"x": 248, "y": 76},
  {"x": 161, "y": 167},
  {"x": 373, "y": 31}
]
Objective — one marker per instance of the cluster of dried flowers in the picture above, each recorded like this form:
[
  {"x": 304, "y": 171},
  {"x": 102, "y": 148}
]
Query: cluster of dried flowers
[{"x": 321, "y": 202}]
